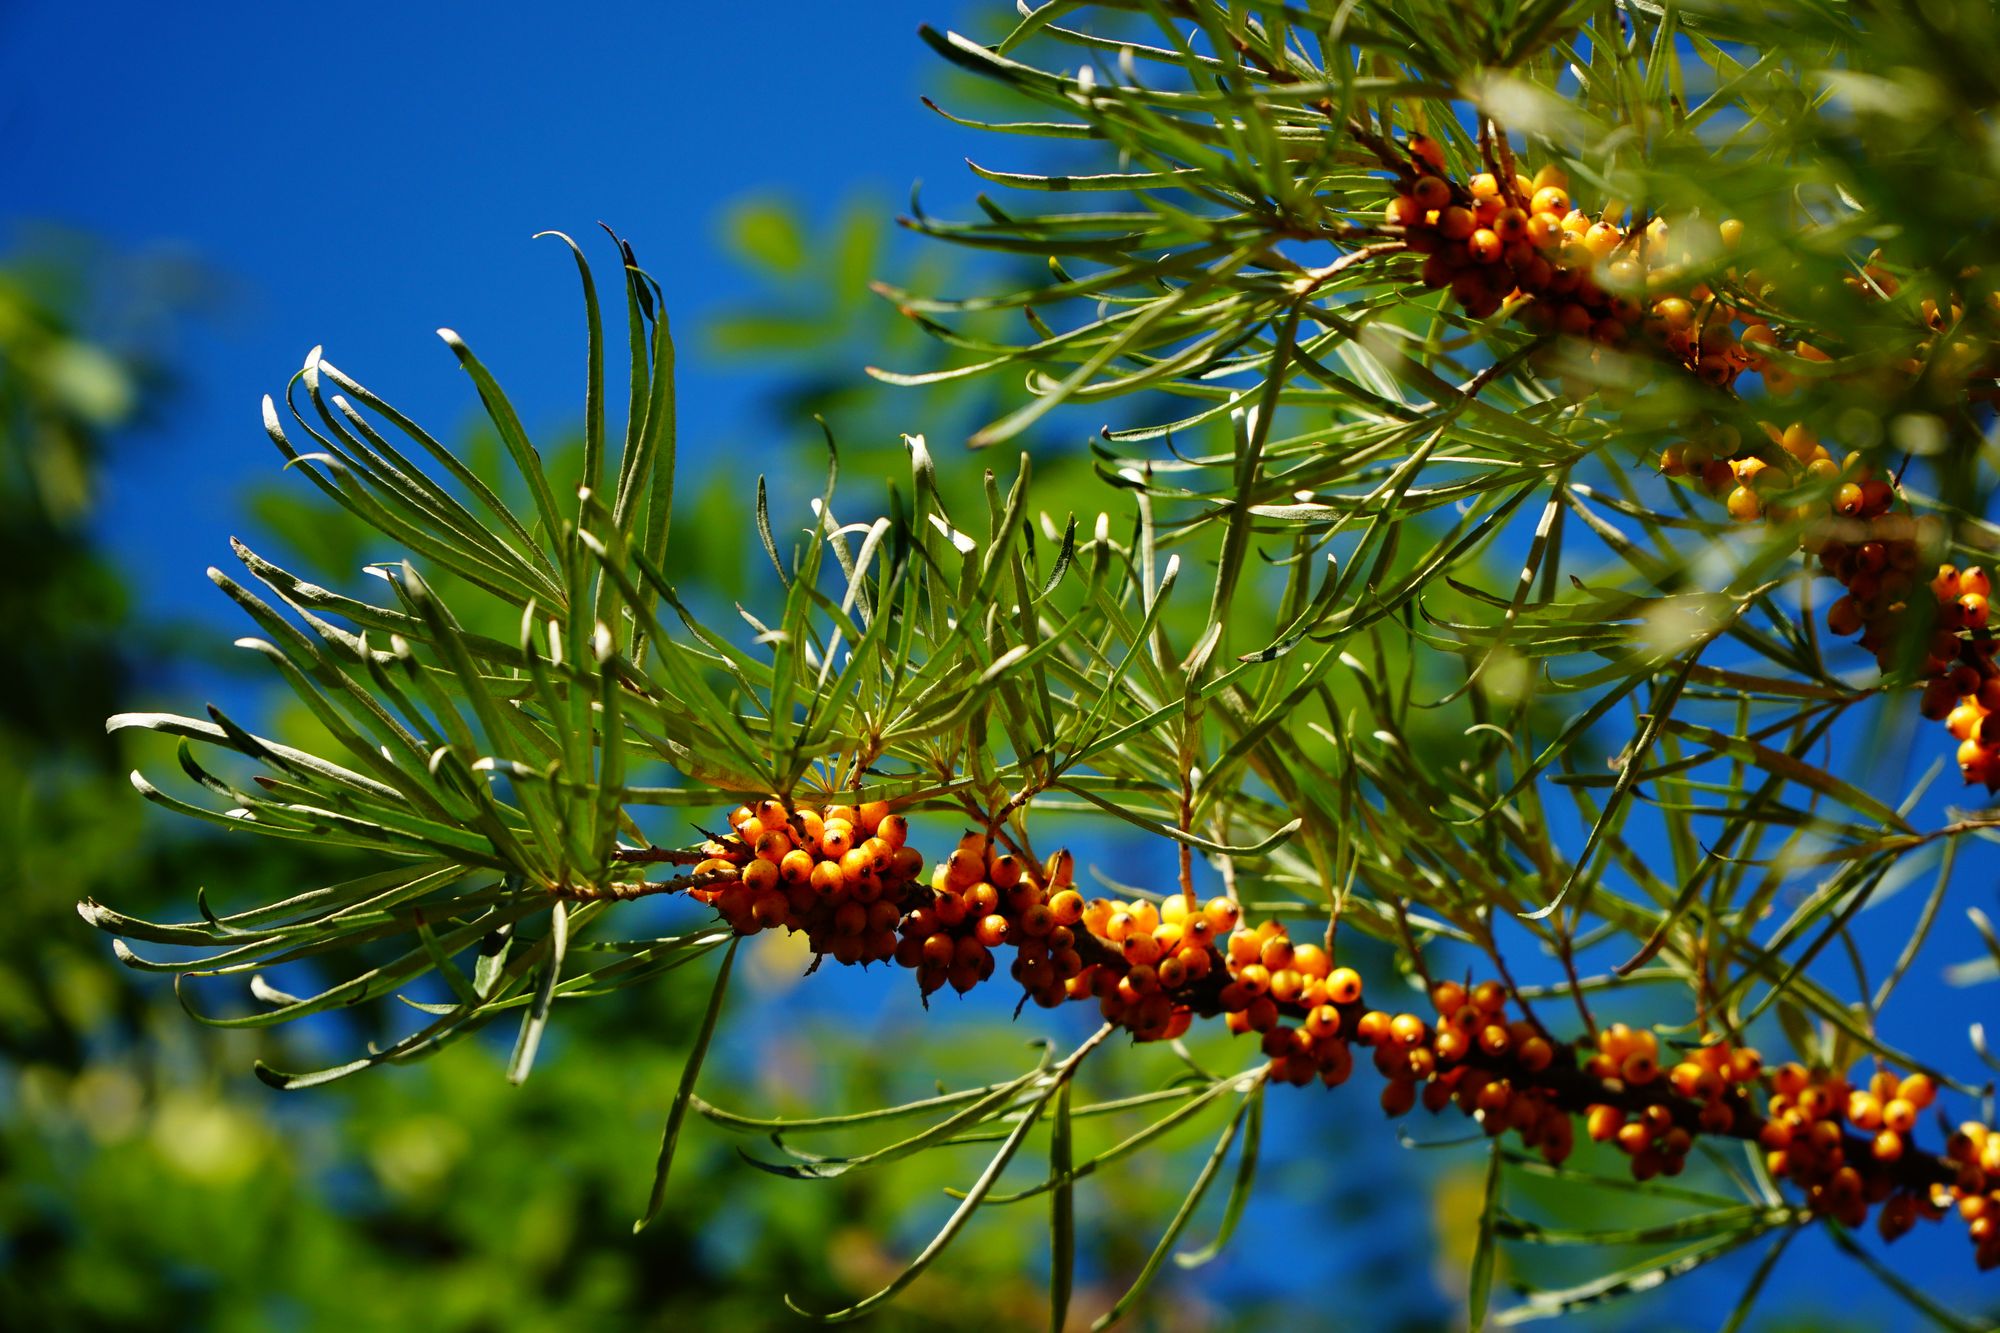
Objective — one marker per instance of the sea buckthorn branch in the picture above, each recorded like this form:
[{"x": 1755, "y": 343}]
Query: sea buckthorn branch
[
  {"x": 847, "y": 878},
  {"x": 1935, "y": 630}
]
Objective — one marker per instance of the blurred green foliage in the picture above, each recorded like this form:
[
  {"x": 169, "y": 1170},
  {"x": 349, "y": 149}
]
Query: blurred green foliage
[{"x": 146, "y": 1179}]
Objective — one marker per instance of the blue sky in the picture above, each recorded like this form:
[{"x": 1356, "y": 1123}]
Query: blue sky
[
  {"x": 364, "y": 175},
  {"x": 361, "y": 176}
]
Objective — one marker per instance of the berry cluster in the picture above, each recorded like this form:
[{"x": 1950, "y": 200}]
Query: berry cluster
[
  {"x": 1148, "y": 958},
  {"x": 1975, "y": 1193},
  {"x": 1472, "y": 1056},
  {"x": 1653, "y": 1135},
  {"x": 1964, "y": 690},
  {"x": 1806, "y": 1141},
  {"x": 1516, "y": 242},
  {"x": 844, "y": 875},
  {"x": 1503, "y": 240},
  {"x": 983, "y": 897},
  {"x": 1786, "y": 477},
  {"x": 1876, "y": 552}
]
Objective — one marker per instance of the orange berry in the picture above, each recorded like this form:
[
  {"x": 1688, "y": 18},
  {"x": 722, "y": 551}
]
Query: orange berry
[
  {"x": 1343, "y": 986},
  {"x": 1635, "y": 1137},
  {"x": 1372, "y": 1028},
  {"x": 1431, "y": 192},
  {"x": 1603, "y": 1123},
  {"x": 1407, "y": 1029},
  {"x": 1067, "y": 905},
  {"x": 1311, "y": 961},
  {"x": 1403, "y": 211}
]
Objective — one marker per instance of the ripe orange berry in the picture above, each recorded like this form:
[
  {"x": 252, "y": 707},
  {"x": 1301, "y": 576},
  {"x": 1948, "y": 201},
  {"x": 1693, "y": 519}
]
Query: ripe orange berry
[
  {"x": 1222, "y": 914},
  {"x": 1550, "y": 199},
  {"x": 1602, "y": 239},
  {"x": 1067, "y": 905},
  {"x": 1276, "y": 953},
  {"x": 1485, "y": 246},
  {"x": 1456, "y": 223},
  {"x": 1407, "y": 1029},
  {"x": 1144, "y": 949},
  {"x": 1403, "y": 211},
  {"x": 770, "y": 909},
  {"x": 1428, "y": 151},
  {"x": 1431, "y": 192},
  {"x": 1918, "y": 1090},
  {"x": 1343, "y": 985},
  {"x": 1311, "y": 962}
]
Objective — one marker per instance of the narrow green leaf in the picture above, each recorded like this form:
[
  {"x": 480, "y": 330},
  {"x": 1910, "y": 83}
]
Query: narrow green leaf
[{"x": 691, "y": 1071}]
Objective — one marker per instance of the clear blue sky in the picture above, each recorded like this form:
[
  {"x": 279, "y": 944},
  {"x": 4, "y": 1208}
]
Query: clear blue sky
[
  {"x": 364, "y": 174},
  {"x": 368, "y": 173}
]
